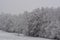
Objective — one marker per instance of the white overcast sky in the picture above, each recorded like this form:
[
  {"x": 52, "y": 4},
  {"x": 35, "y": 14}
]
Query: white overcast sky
[{"x": 18, "y": 6}]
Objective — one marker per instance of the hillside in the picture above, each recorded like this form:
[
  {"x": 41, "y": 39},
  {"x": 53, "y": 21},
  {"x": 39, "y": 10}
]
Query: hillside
[{"x": 12, "y": 36}]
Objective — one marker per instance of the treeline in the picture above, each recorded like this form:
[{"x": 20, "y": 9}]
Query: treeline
[
  {"x": 11, "y": 23},
  {"x": 44, "y": 22}
]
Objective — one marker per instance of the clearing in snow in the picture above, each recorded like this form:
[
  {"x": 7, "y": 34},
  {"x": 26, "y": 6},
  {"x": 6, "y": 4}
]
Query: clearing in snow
[{"x": 13, "y": 36}]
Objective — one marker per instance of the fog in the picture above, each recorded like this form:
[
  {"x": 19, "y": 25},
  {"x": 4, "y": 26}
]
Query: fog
[{"x": 18, "y": 6}]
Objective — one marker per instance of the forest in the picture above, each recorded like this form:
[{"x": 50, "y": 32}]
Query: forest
[{"x": 41, "y": 22}]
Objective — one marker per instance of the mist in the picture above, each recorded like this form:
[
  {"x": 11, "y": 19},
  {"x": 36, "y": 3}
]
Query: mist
[{"x": 19, "y": 6}]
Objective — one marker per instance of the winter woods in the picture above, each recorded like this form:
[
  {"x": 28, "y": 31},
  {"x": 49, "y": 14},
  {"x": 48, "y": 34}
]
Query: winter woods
[{"x": 44, "y": 22}]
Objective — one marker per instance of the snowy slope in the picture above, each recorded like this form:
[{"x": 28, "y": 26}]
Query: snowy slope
[{"x": 12, "y": 36}]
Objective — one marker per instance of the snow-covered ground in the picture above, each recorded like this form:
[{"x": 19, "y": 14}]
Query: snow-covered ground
[{"x": 13, "y": 36}]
